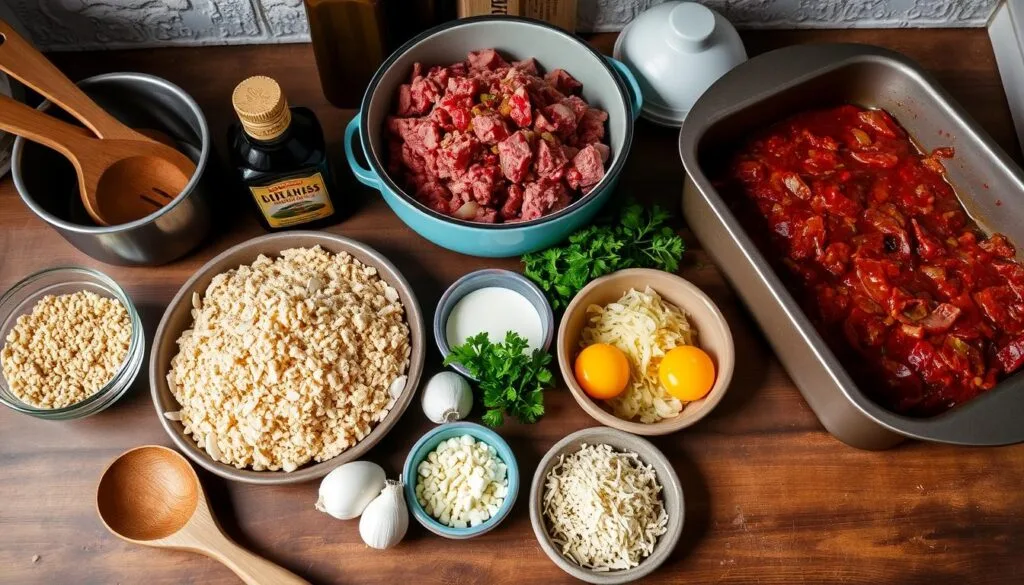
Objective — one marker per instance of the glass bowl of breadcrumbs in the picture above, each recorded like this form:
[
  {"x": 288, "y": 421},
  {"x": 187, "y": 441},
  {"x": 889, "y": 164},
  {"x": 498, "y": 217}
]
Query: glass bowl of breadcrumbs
[{"x": 71, "y": 343}]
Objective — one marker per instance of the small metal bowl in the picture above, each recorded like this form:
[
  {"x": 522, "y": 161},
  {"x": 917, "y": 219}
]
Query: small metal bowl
[
  {"x": 47, "y": 183},
  {"x": 671, "y": 493},
  {"x": 487, "y": 278},
  {"x": 22, "y": 298},
  {"x": 427, "y": 444}
]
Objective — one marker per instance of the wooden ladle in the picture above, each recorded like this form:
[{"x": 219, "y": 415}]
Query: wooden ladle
[
  {"x": 151, "y": 496},
  {"x": 121, "y": 180},
  {"x": 19, "y": 59}
]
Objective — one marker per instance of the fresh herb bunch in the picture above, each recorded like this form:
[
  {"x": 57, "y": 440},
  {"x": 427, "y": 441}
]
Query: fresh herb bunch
[
  {"x": 511, "y": 380},
  {"x": 638, "y": 238}
]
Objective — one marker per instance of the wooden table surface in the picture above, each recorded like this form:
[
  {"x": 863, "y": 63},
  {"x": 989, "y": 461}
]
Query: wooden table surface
[{"x": 770, "y": 496}]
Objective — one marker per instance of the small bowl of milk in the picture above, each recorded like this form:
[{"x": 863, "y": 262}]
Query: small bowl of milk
[{"x": 496, "y": 302}]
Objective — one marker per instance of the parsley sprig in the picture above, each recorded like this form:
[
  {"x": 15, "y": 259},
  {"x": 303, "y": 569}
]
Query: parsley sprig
[
  {"x": 512, "y": 380},
  {"x": 638, "y": 239}
]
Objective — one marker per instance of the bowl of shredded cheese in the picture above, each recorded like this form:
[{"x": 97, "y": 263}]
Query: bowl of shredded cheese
[
  {"x": 606, "y": 506},
  {"x": 646, "y": 314}
]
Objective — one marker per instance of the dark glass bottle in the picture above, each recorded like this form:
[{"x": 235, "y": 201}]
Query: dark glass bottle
[{"x": 280, "y": 156}]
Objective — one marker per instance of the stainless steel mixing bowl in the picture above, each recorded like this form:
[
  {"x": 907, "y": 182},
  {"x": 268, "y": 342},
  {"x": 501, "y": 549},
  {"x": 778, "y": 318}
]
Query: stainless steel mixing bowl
[{"x": 46, "y": 180}]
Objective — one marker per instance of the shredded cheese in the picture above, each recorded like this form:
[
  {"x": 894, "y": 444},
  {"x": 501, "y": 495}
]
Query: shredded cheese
[
  {"x": 603, "y": 508},
  {"x": 645, "y": 328}
]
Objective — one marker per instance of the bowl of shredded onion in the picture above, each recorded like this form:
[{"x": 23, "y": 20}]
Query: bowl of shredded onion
[
  {"x": 643, "y": 320},
  {"x": 606, "y": 506}
]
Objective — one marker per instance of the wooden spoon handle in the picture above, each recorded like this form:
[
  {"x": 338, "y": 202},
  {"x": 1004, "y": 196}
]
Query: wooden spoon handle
[
  {"x": 250, "y": 568},
  {"x": 30, "y": 123},
  {"x": 19, "y": 59}
]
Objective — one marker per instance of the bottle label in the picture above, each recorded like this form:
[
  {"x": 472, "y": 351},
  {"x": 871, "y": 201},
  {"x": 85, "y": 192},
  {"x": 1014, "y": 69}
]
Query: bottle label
[{"x": 294, "y": 201}]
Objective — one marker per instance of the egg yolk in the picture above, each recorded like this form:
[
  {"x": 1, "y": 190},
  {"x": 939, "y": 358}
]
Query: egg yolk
[
  {"x": 687, "y": 373},
  {"x": 602, "y": 370}
]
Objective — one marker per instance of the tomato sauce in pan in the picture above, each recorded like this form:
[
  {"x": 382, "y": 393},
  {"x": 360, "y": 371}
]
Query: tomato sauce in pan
[{"x": 923, "y": 308}]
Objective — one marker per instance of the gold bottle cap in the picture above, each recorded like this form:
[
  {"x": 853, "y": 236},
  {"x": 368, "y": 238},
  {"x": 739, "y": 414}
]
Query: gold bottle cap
[{"x": 262, "y": 107}]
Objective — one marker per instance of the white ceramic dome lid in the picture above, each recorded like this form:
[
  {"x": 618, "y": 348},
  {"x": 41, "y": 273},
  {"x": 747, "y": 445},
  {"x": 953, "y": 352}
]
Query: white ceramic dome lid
[{"x": 677, "y": 50}]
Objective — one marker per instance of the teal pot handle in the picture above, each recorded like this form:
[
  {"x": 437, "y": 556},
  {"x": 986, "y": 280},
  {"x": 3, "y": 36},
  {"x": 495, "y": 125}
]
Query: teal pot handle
[
  {"x": 631, "y": 85},
  {"x": 365, "y": 176}
]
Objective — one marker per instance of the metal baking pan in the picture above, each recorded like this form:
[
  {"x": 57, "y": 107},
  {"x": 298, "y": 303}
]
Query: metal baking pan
[{"x": 775, "y": 85}]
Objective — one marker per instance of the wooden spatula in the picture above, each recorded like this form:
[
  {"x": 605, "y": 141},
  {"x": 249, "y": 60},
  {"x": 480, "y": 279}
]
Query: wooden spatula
[
  {"x": 121, "y": 180},
  {"x": 19, "y": 59}
]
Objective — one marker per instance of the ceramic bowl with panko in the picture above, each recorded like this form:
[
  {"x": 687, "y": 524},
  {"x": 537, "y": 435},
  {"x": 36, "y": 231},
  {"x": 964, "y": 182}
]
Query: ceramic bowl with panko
[
  {"x": 178, "y": 318},
  {"x": 713, "y": 336}
]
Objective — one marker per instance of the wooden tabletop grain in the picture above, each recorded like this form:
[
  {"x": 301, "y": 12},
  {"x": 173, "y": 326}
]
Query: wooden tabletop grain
[{"x": 770, "y": 497}]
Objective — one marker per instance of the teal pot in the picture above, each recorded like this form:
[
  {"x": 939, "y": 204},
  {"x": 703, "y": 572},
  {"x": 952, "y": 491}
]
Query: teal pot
[{"x": 607, "y": 84}]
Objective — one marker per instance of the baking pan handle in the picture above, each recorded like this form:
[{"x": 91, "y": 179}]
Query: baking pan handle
[
  {"x": 365, "y": 176},
  {"x": 632, "y": 86}
]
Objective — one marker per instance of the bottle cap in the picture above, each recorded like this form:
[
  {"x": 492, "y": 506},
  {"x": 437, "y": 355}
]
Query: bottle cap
[{"x": 262, "y": 107}]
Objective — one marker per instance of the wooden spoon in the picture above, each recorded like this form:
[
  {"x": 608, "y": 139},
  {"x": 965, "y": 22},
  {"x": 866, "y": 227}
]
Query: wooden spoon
[
  {"x": 151, "y": 496},
  {"x": 120, "y": 180},
  {"x": 19, "y": 59}
]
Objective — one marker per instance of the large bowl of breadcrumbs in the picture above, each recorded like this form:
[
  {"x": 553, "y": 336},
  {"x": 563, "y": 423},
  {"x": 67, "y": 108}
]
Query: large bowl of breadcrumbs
[{"x": 287, "y": 356}]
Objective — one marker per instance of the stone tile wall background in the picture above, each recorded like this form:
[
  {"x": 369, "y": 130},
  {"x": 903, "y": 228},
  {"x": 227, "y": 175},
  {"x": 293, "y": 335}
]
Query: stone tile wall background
[{"x": 92, "y": 24}]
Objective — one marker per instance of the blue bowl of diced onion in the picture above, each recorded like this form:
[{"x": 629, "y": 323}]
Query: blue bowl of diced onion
[{"x": 418, "y": 463}]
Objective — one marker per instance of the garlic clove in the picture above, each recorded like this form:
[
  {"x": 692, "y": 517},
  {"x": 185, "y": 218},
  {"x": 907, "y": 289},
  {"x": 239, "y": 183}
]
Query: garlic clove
[
  {"x": 386, "y": 519},
  {"x": 447, "y": 397},
  {"x": 346, "y": 491}
]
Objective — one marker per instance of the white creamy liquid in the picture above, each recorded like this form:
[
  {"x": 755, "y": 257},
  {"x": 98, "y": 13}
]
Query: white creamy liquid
[{"x": 497, "y": 311}]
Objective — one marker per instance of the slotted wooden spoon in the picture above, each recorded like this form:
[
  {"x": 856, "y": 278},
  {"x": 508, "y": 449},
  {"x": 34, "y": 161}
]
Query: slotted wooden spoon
[
  {"x": 123, "y": 180},
  {"x": 151, "y": 496},
  {"x": 19, "y": 59}
]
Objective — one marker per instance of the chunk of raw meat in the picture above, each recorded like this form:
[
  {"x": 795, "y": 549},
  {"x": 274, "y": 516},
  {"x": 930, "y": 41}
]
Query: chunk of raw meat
[
  {"x": 577, "y": 105},
  {"x": 542, "y": 198},
  {"x": 515, "y": 155},
  {"x": 415, "y": 163},
  {"x": 486, "y": 59},
  {"x": 563, "y": 82},
  {"x": 550, "y": 160},
  {"x": 558, "y": 119},
  {"x": 422, "y": 94},
  {"x": 422, "y": 136},
  {"x": 455, "y": 154},
  {"x": 513, "y": 203},
  {"x": 405, "y": 107},
  {"x": 490, "y": 128},
  {"x": 528, "y": 66},
  {"x": 545, "y": 95},
  {"x": 479, "y": 183},
  {"x": 591, "y": 127},
  {"x": 464, "y": 87},
  {"x": 587, "y": 163},
  {"x": 521, "y": 111},
  {"x": 434, "y": 195},
  {"x": 439, "y": 75}
]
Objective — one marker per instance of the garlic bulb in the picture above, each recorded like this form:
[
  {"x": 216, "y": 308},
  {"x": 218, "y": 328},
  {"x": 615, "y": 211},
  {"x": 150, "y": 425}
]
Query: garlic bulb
[
  {"x": 447, "y": 397},
  {"x": 347, "y": 490},
  {"x": 386, "y": 519}
]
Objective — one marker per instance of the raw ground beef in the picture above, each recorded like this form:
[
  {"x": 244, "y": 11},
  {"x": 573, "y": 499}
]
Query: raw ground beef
[{"x": 491, "y": 141}]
